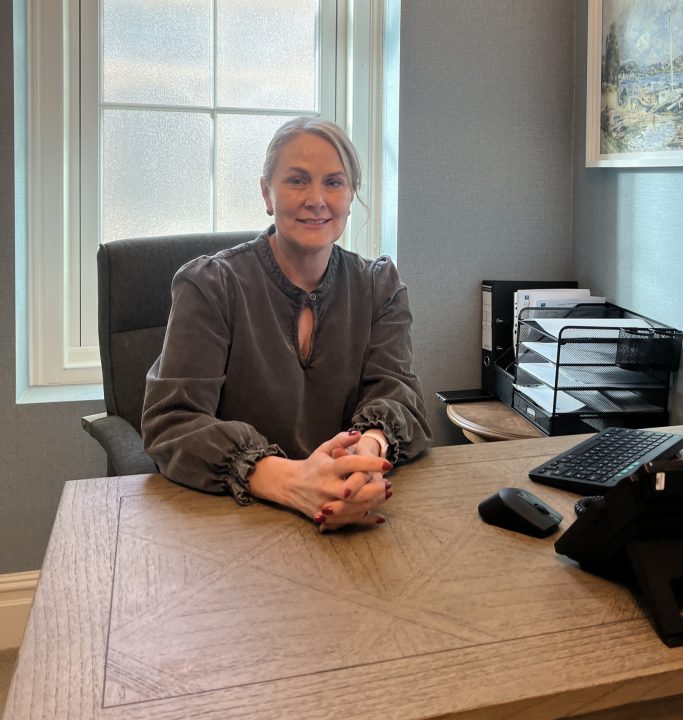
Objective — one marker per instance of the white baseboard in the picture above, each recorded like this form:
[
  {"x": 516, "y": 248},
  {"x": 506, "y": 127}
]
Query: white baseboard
[{"x": 16, "y": 597}]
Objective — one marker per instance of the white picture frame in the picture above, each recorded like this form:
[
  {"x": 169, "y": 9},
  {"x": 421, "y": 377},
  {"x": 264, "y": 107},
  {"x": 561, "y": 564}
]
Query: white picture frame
[{"x": 634, "y": 100}]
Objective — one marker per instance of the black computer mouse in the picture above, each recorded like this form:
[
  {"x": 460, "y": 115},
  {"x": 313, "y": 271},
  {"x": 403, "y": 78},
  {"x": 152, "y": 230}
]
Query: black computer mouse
[{"x": 521, "y": 511}]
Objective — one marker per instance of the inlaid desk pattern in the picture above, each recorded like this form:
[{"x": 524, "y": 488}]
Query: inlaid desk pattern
[{"x": 158, "y": 602}]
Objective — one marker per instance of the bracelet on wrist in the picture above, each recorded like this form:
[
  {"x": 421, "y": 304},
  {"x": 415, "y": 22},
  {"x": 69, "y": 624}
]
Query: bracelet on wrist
[{"x": 378, "y": 437}]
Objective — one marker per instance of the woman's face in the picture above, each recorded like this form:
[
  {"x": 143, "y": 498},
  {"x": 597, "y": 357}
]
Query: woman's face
[{"x": 308, "y": 193}]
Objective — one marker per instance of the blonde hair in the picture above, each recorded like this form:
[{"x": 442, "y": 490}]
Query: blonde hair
[{"x": 323, "y": 128}]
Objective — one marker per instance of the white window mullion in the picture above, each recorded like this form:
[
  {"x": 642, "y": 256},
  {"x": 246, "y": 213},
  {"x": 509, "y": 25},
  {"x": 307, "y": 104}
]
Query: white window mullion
[
  {"x": 364, "y": 116},
  {"x": 214, "y": 116},
  {"x": 45, "y": 186},
  {"x": 358, "y": 109},
  {"x": 328, "y": 32},
  {"x": 56, "y": 356},
  {"x": 81, "y": 352},
  {"x": 87, "y": 185}
]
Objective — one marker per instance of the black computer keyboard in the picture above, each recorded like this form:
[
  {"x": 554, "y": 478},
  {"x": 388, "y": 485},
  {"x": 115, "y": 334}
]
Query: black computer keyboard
[{"x": 595, "y": 465}]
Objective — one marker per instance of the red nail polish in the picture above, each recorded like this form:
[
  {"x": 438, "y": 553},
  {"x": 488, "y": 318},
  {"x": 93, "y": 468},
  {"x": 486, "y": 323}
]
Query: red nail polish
[
  {"x": 347, "y": 492},
  {"x": 388, "y": 484},
  {"x": 319, "y": 518},
  {"x": 327, "y": 510},
  {"x": 354, "y": 432},
  {"x": 388, "y": 494},
  {"x": 386, "y": 466},
  {"x": 380, "y": 520}
]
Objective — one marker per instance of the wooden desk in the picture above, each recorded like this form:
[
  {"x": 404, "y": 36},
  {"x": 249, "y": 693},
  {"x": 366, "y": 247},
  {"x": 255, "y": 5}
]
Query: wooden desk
[
  {"x": 490, "y": 421},
  {"x": 159, "y": 602}
]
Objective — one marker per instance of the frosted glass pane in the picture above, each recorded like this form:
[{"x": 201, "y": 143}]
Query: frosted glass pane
[
  {"x": 157, "y": 52},
  {"x": 267, "y": 55},
  {"x": 241, "y": 142},
  {"x": 156, "y": 173}
]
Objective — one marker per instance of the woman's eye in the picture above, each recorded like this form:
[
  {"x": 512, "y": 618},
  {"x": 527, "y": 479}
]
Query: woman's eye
[
  {"x": 295, "y": 181},
  {"x": 335, "y": 183}
]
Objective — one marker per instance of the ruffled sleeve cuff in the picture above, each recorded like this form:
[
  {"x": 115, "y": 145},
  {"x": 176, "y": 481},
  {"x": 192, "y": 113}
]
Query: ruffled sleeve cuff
[{"x": 237, "y": 478}]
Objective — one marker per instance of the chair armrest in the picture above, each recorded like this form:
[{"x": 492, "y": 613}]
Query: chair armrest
[{"x": 122, "y": 443}]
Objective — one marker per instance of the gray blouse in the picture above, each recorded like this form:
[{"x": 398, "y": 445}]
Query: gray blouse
[{"x": 231, "y": 387}]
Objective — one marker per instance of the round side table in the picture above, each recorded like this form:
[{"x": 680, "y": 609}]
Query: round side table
[{"x": 490, "y": 421}]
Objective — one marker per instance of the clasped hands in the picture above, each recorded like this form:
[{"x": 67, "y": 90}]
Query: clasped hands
[
  {"x": 340, "y": 483},
  {"x": 357, "y": 487}
]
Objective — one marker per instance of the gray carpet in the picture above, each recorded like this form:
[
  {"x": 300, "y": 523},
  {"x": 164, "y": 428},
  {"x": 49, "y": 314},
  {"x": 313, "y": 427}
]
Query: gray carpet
[{"x": 7, "y": 660}]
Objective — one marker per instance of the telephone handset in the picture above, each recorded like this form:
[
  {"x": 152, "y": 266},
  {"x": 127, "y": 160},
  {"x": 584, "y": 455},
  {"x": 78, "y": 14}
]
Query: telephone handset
[{"x": 637, "y": 529}]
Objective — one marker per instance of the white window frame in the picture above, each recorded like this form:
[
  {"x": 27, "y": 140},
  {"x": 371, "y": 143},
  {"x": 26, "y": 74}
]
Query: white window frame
[{"x": 55, "y": 223}]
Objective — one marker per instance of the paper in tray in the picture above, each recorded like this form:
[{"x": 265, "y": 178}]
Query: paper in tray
[
  {"x": 593, "y": 376},
  {"x": 580, "y": 354},
  {"x": 599, "y": 327},
  {"x": 543, "y": 396}
]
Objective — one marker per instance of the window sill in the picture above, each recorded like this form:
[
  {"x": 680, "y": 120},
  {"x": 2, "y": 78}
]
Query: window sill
[{"x": 59, "y": 393}]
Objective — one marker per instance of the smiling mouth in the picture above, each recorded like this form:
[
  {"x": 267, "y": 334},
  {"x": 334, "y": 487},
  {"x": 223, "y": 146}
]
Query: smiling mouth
[{"x": 314, "y": 221}]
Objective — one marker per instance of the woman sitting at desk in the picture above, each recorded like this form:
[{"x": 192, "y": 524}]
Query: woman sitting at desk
[{"x": 286, "y": 368}]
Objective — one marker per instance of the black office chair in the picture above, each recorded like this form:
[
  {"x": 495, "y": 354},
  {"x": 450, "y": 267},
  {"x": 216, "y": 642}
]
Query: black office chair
[{"x": 134, "y": 294}]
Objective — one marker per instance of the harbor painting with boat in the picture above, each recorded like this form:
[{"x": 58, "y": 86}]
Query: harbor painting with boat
[{"x": 641, "y": 88}]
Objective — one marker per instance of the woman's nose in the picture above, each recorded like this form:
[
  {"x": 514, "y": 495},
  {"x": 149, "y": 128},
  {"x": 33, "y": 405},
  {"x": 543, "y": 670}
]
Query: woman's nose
[{"x": 315, "y": 196}]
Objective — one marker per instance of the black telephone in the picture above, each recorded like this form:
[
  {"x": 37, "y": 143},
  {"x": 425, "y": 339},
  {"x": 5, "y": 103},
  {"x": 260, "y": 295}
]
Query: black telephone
[{"x": 635, "y": 533}]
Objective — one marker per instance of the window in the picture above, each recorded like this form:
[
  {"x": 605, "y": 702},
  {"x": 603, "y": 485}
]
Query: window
[{"x": 151, "y": 117}]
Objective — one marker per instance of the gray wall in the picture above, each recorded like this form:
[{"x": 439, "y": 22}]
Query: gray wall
[
  {"x": 41, "y": 446},
  {"x": 628, "y": 228},
  {"x": 485, "y": 142}
]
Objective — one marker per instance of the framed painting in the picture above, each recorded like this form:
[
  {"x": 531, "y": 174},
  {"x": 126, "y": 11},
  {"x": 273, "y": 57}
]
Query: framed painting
[{"x": 634, "y": 104}]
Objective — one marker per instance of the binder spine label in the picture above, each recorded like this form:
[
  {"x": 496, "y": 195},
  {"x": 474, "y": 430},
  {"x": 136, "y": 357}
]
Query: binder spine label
[{"x": 486, "y": 319}]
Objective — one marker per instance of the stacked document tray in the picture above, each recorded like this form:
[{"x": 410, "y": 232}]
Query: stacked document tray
[{"x": 585, "y": 368}]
